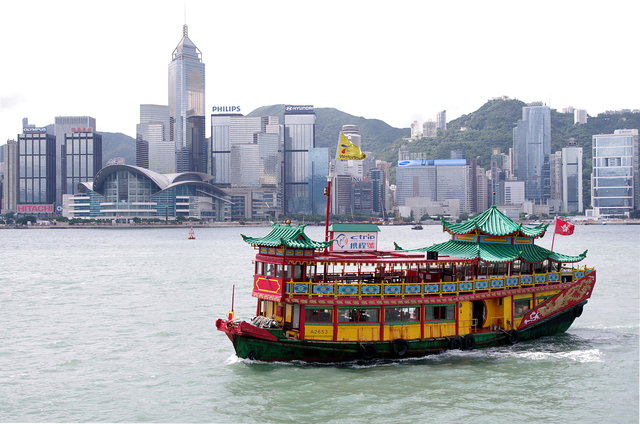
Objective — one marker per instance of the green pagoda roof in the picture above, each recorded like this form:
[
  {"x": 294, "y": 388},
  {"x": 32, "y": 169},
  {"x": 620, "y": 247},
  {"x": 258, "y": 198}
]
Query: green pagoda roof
[
  {"x": 286, "y": 235},
  {"x": 495, "y": 223},
  {"x": 497, "y": 253}
]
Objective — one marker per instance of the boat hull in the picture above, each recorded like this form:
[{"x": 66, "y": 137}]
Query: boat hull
[{"x": 257, "y": 347}]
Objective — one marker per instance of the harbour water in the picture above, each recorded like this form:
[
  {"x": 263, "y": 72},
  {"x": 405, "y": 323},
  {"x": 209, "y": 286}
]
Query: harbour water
[{"x": 117, "y": 325}]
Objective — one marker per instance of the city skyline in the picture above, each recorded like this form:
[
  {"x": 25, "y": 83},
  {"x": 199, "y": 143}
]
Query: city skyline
[{"x": 129, "y": 56}]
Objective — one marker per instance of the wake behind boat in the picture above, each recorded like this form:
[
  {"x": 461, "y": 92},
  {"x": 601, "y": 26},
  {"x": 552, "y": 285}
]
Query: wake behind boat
[{"x": 343, "y": 299}]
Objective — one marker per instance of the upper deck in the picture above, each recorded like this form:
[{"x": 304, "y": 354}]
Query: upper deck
[{"x": 397, "y": 277}]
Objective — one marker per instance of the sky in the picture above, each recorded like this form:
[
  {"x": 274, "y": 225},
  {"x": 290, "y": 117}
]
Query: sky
[{"x": 396, "y": 61}]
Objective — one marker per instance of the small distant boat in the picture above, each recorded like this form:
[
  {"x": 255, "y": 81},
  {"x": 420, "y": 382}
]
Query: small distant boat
[
  {"x": 417, "y": 227},
  {"x": 192, "y": 235}
]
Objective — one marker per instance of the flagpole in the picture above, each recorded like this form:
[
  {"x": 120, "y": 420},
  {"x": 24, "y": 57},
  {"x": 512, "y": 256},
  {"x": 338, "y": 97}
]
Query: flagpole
[
  {"x": 554, "y": 232},
  {"x": 328, "y": 210}
]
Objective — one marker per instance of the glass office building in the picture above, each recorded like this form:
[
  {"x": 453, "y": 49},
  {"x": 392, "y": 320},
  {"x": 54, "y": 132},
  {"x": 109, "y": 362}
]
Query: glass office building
[
  {"x": 83, "y": 158},
  {"x": 125, "y": 191},
  {"x": 36, "y": 170},
  {"x": 532, "y": 147},
  {"x": 436, "y": 180},
  {"x": 299, "y": 138},
  {"x": 187, "y": 106},
  {"x": 64, "y": 125},
  {"x": 614, "y": 177}
]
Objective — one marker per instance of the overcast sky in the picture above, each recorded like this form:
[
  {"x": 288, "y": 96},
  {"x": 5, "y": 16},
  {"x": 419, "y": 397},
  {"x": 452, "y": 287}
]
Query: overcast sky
[{"x": 397, "y": 61}]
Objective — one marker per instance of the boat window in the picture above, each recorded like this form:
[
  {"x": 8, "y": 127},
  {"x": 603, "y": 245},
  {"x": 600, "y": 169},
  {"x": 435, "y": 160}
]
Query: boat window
[
  {"x": 525, "y": 268},
  {"x": 358, "y": 315},
  {"x": 317, "y": 314},
  {"x": 311, "y": 271},
  {"x": 279, "y": 271},
  {"x": 297, "y": 272},
  {"x": 439, "y": 312},
  {"x": 405, "y": 314},
  {"x": 521, "y": 306},
  {"x": 498, "y": 269},
  {"x": 259, "y": 268},
  {"x": 269, "y": 270},
  {"x": 539, "y": 267},
  {"x": 287, "y": 271},
  {"x": 515, "y": 267}
]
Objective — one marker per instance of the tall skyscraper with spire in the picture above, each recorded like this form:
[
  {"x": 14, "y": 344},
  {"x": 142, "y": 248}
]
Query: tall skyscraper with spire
[{"x": 187, "y": 107}]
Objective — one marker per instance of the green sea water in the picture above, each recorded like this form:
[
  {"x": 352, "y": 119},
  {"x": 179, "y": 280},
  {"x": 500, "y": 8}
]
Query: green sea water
[{"x": 117, "y": 325}]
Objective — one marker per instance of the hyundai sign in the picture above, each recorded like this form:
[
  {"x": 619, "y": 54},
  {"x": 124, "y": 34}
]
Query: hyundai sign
[{"x": 298, "y": 109}]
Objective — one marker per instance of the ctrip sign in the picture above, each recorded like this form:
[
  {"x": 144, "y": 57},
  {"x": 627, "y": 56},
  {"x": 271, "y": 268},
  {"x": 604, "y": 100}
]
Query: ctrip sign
[
  {"x": 34, "y": 208},
  {"x": 355, "y": 241}
]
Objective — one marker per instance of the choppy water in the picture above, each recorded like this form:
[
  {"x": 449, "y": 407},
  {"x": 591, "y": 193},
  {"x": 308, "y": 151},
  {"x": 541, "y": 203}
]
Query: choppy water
[{"x": 117, "y": 325}]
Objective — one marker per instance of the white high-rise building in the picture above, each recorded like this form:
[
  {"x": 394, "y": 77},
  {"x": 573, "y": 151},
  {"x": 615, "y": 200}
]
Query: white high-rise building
[
  {"x": 614, "y": 178},
  {"x": 154, "y": 150},
  {"x": 572, "y": 178},
  {"x": 579, "y": 116},
  {"x": 64, "y": 125}
]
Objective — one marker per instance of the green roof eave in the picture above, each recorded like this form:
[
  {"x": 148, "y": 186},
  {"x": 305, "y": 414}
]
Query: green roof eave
[
  {"x": 495, "y": 223},
  {"x": 288, "y": 236},
  {"x": 354, "y": 227},
  {"x": 498, "y": 253}
]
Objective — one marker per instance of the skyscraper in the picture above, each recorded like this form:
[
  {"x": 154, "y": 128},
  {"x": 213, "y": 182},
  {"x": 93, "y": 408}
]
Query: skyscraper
[
  {"x": 532, "y": 147},
  {"x": 614, "y": 178},
  {"x": 572, "y": 177},
  {"x": 36, "y": 169},
  {"x": 83, "y": 157},
  {"x": 187, "y": 106},
  {"x": 299, "y": 138},
  {"x": 154, "y": 150},
  {"x": 10, "y": 183},
  {"x": 441, "y": 120},
  {"x": 64, "y": 125}
]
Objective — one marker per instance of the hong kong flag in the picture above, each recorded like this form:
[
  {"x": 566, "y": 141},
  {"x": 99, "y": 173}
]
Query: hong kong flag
[{"x": 564, "y": 228}]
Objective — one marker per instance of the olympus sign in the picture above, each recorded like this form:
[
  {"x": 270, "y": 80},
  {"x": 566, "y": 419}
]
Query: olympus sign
[
  {"x": 225, "y": 109},
  {"x": 39, "y": 130}
]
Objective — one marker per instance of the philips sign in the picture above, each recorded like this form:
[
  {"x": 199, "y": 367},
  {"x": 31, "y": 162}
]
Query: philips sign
[{"x": 225, "y": 109}]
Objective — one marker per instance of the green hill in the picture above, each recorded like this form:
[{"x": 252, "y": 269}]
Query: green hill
[{"x": 376, "y": 134}]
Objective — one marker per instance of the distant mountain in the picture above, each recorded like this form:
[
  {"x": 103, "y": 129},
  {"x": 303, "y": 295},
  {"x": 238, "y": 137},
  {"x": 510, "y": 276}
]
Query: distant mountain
[
  {"x": 118, "y": 145},
  {"x": 376, "y": 134}
]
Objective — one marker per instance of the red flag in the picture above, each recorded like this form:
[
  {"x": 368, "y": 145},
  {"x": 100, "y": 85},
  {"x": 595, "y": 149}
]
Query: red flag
[{"x": 564, "y": 228}]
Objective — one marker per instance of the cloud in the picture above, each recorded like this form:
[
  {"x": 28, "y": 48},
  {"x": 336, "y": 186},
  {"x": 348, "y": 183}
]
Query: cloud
[{"x": 10, "y": 101}]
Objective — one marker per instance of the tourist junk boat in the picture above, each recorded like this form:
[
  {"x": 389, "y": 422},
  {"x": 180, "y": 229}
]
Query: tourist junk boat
[{"x": 343, "y": 299}]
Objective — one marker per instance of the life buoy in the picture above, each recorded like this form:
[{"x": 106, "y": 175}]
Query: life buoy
[
  {"x": 513, "y": 336},
  {"x": 399, "y": 347},
  {"x": 577, "y": 311},
  {"x": 368, "y": 351},
  {"x": 455, "y": 343},
  {"x": 468, "y": 342}
]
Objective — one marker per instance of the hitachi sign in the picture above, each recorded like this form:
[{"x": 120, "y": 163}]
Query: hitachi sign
[
  {"x": 35, "y": 208},
  {"x": 225, "y": 109}
]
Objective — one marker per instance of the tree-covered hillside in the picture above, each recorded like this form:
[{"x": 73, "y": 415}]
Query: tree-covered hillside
[{"x": 376, "y": 134}]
